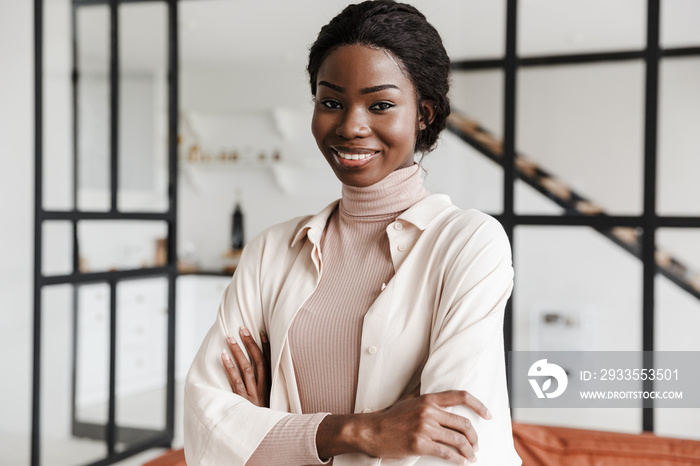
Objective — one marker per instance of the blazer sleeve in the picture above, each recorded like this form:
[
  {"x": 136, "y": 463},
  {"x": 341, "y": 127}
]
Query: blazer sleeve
[
  {"x": 221, "y": 427},
  {"x": 466, "y": 341}
]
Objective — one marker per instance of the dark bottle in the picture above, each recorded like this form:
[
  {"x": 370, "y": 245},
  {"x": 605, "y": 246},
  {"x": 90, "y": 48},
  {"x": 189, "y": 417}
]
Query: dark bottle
[{"x": 237, "y": 240}]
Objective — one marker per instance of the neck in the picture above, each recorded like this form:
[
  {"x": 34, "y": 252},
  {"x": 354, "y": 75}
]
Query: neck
[{"x": 398, "y": 191}]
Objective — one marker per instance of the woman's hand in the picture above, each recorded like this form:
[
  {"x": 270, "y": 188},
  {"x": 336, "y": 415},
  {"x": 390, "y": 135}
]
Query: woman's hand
[
  {"x": 412, "y": 427},
  {"x": 251, "y": 379}
]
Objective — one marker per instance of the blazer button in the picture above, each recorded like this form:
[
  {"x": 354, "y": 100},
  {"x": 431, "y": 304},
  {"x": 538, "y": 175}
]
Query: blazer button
[
  {"x": 398, "y": 226},
  {"x": 372, "y": 349},
  {"x": 402, "y": 247},
  {"x": 366, "y": 410}
]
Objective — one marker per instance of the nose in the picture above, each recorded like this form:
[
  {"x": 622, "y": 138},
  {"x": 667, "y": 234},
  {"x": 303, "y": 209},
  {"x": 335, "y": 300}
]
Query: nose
[{"x": 353, "y": 124}]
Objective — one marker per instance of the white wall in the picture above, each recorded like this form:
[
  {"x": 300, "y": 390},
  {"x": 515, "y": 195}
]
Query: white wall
[{"x": 16, "y": 194}]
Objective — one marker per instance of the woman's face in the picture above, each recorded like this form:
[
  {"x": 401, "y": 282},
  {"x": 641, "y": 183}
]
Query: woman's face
[{"x": 365, "y": 114}]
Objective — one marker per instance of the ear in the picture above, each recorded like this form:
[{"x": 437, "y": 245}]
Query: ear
[{"x": 426, "y": 113}]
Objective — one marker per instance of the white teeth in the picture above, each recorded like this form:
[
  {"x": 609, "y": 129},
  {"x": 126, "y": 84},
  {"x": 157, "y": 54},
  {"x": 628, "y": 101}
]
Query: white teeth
[{"x": 345, "y": 156}]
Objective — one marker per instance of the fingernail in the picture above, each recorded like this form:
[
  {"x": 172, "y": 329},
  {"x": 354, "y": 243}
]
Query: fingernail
[
  {"x": 245, "y": 332},
  {"x": 473, "y": 459},
  {"x": 263, "y": 337},
  {"x": 476, "y": 448},
  {"x": 225, "y": 356},
  {"x": 488, "y": 414},
  {"x": 232, "y": 341}
]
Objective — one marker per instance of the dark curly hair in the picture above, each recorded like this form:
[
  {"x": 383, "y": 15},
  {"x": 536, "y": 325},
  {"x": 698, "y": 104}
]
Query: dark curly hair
[{"x": 405, "y": 32}]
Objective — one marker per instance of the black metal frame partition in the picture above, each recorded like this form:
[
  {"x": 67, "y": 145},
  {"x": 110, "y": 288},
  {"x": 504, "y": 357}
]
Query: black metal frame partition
[
  {"x": 649, "y": 221},
  {"x": 135, "y": 439}
]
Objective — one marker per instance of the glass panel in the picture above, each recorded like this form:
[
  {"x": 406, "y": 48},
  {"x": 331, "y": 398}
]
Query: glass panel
[
  {"x": 680, "y": 247},
  {"x": 467, "y": 176},
  {"x": 143, "y": 107},
  {"x": 121, "y": 245},
  {"x": 455, "y": 168},
  {"x": 142, "y": 317},
  {"x": 679, "y": 23},
  {"x": 581, "y": 273},
  {"x": 479, "y": 95},
  {"x": 57, "y": 248},
  {"x": 576, "y": 290},
  {"x": 677, "y": 422},
  {"x": 93, "y": 107},
  {"x": 677, "y": 319},
  {"x": 583, "y": 126},
  {"x": 534, "y": 200},
  {"x": 469, "y": 29},
  {"x": 562, "y": 27},
  {"x": 677, "y": 316},
  {"x": 679, "y": 147},
  {"x": 60, "y": 445},
  {"x": 92, "y": 352},
  {"x": 57, "y": 107}
]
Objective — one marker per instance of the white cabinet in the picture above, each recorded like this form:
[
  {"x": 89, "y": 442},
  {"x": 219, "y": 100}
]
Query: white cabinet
[
  {"x": 142, "y": 335},
  {"x": 92, "y": 350},
  {"x": 198, "y": 299},
  {"x": 142, "y": 319}
]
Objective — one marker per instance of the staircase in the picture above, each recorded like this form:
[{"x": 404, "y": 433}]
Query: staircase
[{"x": 574, "y": 203}]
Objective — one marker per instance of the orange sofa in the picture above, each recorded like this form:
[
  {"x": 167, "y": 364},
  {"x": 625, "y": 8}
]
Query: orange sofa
[{"x": 560, "y": 446}]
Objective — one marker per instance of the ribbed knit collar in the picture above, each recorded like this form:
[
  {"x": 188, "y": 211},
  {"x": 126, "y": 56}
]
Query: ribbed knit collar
[{"x": 398, "y": 191}]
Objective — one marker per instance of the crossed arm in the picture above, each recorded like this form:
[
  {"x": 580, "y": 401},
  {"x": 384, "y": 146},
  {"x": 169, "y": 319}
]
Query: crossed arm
[{"x": 413, "y": 426}]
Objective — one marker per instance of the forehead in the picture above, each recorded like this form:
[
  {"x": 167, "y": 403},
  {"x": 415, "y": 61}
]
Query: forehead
[{"x": 360, "y": 66}]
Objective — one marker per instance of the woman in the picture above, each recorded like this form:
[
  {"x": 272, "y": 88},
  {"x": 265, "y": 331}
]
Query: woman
[{"x": 384, "y": 312}]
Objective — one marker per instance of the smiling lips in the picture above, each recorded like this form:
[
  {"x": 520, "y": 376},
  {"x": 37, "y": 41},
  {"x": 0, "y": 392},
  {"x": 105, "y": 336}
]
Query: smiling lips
[{"x": 354, "y": 158}]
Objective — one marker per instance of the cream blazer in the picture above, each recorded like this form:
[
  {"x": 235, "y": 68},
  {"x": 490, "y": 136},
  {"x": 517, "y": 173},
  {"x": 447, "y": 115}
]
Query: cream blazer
[{"x": 438, "y": 323}]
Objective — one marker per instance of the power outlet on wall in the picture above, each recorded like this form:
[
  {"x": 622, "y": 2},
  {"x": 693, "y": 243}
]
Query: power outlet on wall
[{"x": 556, "y": 328}]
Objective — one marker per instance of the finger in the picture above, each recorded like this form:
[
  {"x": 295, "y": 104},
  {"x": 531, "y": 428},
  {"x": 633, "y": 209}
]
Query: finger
[
  {"x": 477, "y": 406},
  {"x": 462, "y": 427},
  {"x": 441, "y": 450},
  {"x": 256, "y": 356},
  {"x": 414, "y": 394},
  {"x": 268, "y": 367},
  {"x": 459, "y": 397},
  {"x": 244, "y": 367},
  {"x": 466, "y": 444},
  {"x": 266, "y": 350},
  {"x": 233, "y": 377}
]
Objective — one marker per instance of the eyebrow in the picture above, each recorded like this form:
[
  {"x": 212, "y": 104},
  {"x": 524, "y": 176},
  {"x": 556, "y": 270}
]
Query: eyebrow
[{"x": 366, "y": 90}]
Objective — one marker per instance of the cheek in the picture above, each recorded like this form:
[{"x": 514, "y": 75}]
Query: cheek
[
  {"x": 402, "y": 129},
  {"x": 317, "y": 127},
  {"x": 320, "y": 126}
]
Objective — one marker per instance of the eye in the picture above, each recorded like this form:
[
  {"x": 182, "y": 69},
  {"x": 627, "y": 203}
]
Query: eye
[
  {"x": 381, "y": 106},
  {"x": 330, "y": 103}
]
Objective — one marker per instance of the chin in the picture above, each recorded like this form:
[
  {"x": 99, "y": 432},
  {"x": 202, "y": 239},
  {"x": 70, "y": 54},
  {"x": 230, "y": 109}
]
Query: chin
[{"x": 357, "y": 181}]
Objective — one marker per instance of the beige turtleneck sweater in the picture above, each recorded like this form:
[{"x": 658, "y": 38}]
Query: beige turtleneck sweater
[{"x": 325, "y": 336}]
